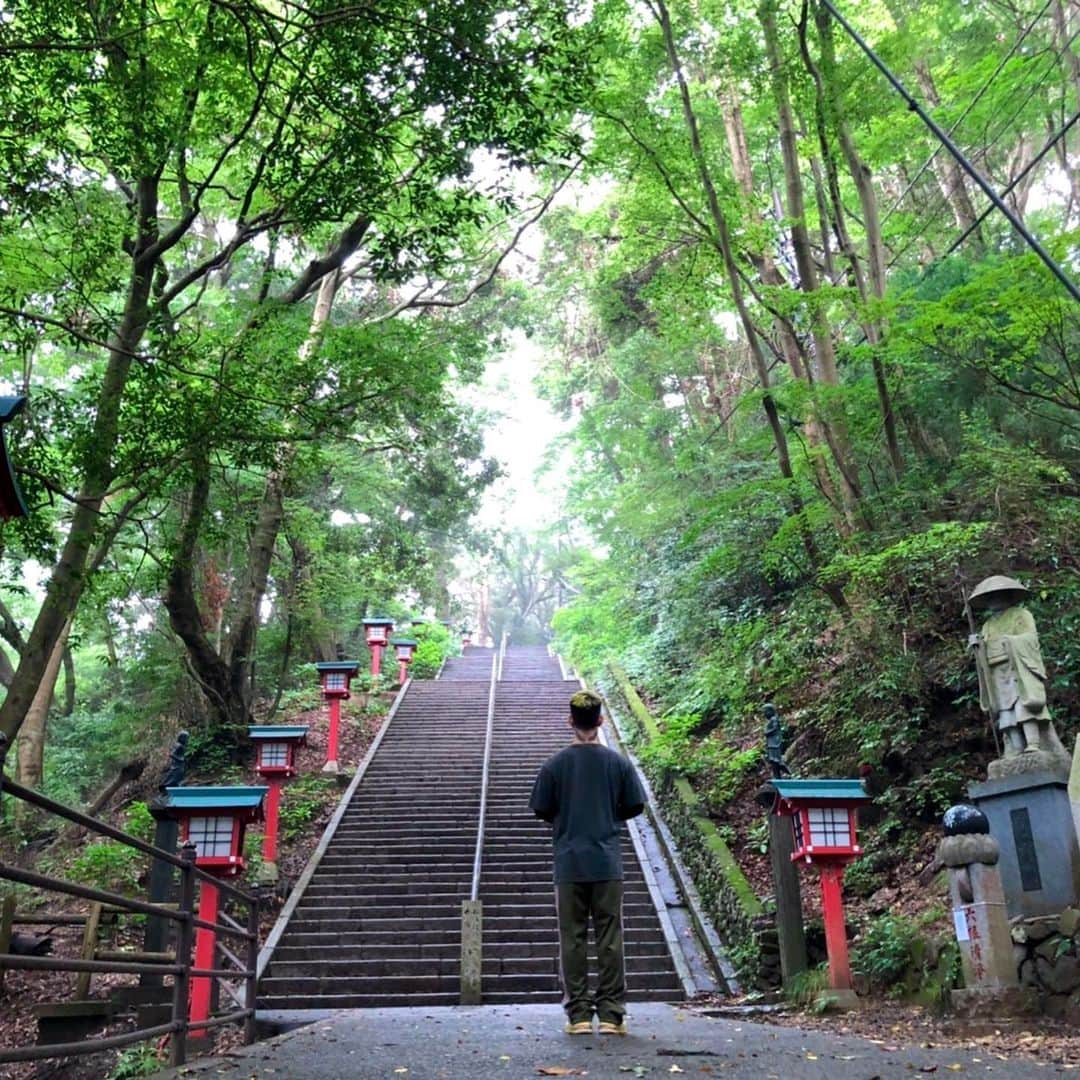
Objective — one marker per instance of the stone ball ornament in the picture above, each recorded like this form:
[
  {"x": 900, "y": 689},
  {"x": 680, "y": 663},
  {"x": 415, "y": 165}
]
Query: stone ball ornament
[{"x": 965, "y": 820}]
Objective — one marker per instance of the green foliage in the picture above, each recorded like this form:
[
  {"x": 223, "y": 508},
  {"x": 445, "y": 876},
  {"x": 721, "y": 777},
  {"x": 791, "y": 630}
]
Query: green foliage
[
  {"x": 885, "y": 949},
  {"x": 303, "y": 801},
  {"x": 434, "y": 644},
  {"x": 139, "y": 822},
  {"x": 134, "y": 1062},
  {"x": 903, "y": 958},
  {"x": 807, "y": 988},
  {"x": 109, "y": 865}
]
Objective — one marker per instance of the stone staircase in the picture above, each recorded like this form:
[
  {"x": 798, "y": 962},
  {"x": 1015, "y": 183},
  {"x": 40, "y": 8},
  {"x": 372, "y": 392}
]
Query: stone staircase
[{"x": 379, "y": 923}]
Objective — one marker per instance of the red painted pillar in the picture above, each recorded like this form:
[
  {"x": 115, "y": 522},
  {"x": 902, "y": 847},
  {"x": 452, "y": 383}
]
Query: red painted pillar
[
  {"x": 832, "y": 906},
  {"x": 332, "y": 740},
  {"x": 376, "y": 660},
  {"x": 273, "y": 801},
  {"x": 204, "y": 957},
  {"x": 402, "y": 671}
]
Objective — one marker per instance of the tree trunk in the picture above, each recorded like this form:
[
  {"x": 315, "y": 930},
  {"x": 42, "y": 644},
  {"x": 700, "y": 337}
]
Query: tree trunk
[
  {"x": 949, "y": 175},
  {"x": 30, "y": 761},
  {"x": 7, "y": 669},
  {"x": 226, "y": 676},
  {"x": 722, "y": 241},
  {"x": 766, "y": 267},
  {"x": 829, "y": 113},
  {"x": 833, "y": 427},
  {"x": 68, "y": 578}
]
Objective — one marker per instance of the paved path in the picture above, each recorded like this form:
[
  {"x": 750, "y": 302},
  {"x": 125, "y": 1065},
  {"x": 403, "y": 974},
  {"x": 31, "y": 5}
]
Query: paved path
[{"x": 515, "y": 1042}]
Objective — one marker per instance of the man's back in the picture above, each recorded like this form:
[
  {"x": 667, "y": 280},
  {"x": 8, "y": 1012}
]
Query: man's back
[{"x": 587, "y": 791}]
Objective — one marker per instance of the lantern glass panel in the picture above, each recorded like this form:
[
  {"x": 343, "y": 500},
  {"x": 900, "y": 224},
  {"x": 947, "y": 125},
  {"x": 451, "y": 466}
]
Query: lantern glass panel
[
  {"x": 335, "y": 680},
  {"x": 830, "y": 826},
  {"x": 796, "y": 823},
  {"x": 212, "y": 836},
  {"x": 275, "y": 753}
]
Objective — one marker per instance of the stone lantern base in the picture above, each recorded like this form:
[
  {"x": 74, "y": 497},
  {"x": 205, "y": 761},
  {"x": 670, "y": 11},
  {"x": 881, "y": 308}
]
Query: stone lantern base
[{"x": 993, "y": 1003}]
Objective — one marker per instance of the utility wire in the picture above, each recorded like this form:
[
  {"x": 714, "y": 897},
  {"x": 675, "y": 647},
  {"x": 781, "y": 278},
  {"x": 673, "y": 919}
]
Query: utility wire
[
  {"x": 1050, "y": 143},
  {"x": 970, "y": 105},
  {"x": 987, "y": 188},
  {"x": 914, "y": 231}
]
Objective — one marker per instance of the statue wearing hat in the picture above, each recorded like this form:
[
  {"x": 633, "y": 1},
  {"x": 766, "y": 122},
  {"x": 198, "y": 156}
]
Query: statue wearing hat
[{"x": 1012, "y": 677}]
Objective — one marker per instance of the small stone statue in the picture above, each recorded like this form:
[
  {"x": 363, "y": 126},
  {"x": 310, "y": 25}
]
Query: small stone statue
[
  {"x": 774, "y": 742},
  {"x": 174, "y": 771},
  {"x": 1012, "y": 677}
]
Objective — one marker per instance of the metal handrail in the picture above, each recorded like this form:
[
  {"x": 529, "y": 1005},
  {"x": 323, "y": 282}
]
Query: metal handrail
[
  {"x": 183, "y": 914},
  {"x": 478, "y": 858}
]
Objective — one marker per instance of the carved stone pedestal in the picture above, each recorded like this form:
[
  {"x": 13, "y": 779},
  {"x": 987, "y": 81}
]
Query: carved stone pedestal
[{"x": 1031, "y": 818}]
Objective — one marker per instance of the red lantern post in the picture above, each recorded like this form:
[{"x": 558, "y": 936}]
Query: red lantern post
[
  {"x": 823, "y": 817},
  {"x": 275, "y": 762},
  {"x": 377, "y": 633},
  {"x": 404, "y": 648},
  {"x": 336, "y": 676},
  {"x": 214, "y": 819}
]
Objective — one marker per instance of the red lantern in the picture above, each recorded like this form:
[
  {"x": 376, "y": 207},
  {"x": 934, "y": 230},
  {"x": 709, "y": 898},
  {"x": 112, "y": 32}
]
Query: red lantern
[
  {"x": 377, "y": 632},
  {"x": 404, "y": 648},
  {"x": 336, "y": 677},
  {"x": 275, "y": 761},
  {"x": 214, "y": 819},
  {"x": 823, "y": 819}
]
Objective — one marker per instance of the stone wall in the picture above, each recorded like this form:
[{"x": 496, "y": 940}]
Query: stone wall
[
  {"x": 1047, "y": 953},
  {"x": 730, "y": 901}
]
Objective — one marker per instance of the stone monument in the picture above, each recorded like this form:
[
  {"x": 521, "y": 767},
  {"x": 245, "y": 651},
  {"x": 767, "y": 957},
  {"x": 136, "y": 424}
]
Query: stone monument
[
  {"x": 1025, "y": 797},
  {"x": 970, "y": 855}
]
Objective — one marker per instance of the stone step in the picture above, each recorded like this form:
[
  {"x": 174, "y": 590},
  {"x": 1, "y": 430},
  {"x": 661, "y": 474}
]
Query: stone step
[
  {"x": 491, "y": 997},
  {"x": 504, "y": 963},
  {"x": 303, "y": 986},
  {"x": 438, "y": 949}
]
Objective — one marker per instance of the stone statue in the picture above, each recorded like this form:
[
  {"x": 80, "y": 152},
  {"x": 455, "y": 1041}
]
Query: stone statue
[
  {"x": 774, "y": 742},
  {"x": 1012, "y": 678},
  {"x": 174, "y": 771}
]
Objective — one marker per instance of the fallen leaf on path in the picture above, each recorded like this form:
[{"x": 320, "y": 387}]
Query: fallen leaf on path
[
  {"x": 927, "y": 1068},
  {"x": 560, "y": 1070},
  {"x": 675, "y": 1068}
]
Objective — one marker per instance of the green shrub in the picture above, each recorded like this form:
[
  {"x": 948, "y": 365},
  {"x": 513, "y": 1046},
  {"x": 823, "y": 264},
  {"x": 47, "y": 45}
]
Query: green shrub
[
  {"x": 139, "y": 822},
  {"x": 109, "y": 865},
  {"x": 885, "y": 952},
  {"x": 302, "y": 802},
  {"x": 134, "y": 1062}
]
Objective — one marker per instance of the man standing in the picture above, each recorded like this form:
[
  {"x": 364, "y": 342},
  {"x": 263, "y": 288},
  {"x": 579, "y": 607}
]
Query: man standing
[{"x": 587, "y": 791}]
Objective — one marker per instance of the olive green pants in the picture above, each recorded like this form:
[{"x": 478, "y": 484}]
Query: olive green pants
[{"x": 576, "y": 903}]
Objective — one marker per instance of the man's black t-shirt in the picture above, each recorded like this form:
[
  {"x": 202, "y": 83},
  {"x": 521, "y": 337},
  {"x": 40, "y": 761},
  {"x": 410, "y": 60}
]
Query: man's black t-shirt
[{"x": 587, "y": 791}]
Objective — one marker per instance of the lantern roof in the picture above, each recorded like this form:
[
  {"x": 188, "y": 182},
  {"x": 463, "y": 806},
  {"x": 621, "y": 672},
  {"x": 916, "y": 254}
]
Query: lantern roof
[
  {"x": 404, "y": 641},
  {"x": 378, "y": 620},
  {"x": 215, "y": 798},
  {"x": 277, "y": 731},
  {"x": 339, "y": 665},
  {"x": 821, "y": 791},
  {"x": 11, "y": 500}
]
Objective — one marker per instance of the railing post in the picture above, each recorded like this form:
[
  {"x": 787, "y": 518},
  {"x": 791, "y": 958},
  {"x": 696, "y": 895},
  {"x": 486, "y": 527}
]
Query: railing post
[
  {"x": 184, "y": 941},
  {"x": 472, "y": 910},
  {"x": 252, "y": 964}
]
